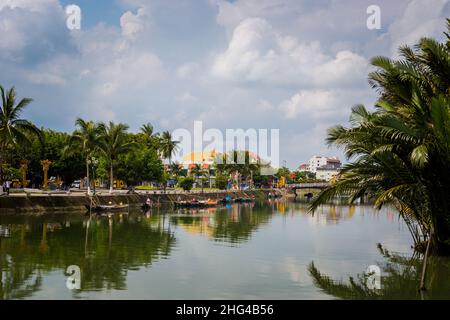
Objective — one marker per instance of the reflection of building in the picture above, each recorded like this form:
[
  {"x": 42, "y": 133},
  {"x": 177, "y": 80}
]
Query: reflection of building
[{"x": 4, "y": 231}]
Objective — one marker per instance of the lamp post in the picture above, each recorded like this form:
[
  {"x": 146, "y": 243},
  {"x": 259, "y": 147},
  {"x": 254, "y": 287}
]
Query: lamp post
[{"x": 93, "y": 161}]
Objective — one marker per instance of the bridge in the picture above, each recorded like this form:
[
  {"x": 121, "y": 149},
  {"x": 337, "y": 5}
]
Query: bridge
[{"x": 308, "y": 185}]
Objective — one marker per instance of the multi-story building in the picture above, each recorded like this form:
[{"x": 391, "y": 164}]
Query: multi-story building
[
  {"x": 318, "y": 162},
  {"x": 325, "y": 168}
]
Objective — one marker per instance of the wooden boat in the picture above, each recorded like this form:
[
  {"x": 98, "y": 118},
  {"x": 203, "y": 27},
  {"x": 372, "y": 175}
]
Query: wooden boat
[
  {"x": 196, "y": 204},
  {"x": 243, "y": 200},
  {"x": 227, "y": 199},
  {"x": 107, "y": 207}
]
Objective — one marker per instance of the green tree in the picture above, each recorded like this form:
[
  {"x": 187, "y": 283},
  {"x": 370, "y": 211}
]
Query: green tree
[
  {"x": 14, "y": 131},
  {"x": 401, "y": 152},
  {"x": 175, "y": 169},
  {"x": 85, "y": 140},
  {"x": 186, "y": 183},
  {"x": 114, "y": 142},
  {"x": 168, "y": 146},
  {"x": 152, "y": 139},
  {"x": 221, "y": 181},
  {"x": 140, "y": 164}
]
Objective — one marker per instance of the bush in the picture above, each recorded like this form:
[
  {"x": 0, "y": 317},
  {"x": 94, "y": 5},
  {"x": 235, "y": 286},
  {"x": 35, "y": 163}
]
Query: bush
[
  {"x": 186, "y": 183},
  {"x": 221, "y": 182}
]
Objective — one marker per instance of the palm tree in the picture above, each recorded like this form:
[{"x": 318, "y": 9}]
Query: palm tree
[
  {"x": 151, "y": 137},
  {"x": 114, "y": 142},
  {"x": 86, "y": 140},
  {"x": 401, "y": 152},
  {"x": 168, "y": 146},
  {"x": 175, "y": 169},
  {"x": 14, "y": 131}
]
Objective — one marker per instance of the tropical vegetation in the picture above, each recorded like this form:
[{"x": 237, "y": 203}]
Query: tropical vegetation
[{"x": 400, "y": 152}]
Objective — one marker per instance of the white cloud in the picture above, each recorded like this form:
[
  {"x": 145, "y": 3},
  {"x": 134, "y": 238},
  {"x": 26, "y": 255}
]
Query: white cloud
[
  {"x": 313, "y": 104},
  {"x": 290, "y": 64},
  {"x": 186, "y": 97},
  {"x": 132, "y": 24},
  {"x": 257, "y": 53},
  {"x": 421, "y": 18},
  {"x": 187, "y": 70}
]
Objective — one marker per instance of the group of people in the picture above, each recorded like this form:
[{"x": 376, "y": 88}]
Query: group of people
[{"x": 6, "y": 186}]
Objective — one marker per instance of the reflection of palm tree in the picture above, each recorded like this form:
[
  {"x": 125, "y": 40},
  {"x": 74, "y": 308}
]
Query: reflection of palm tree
[
  {"x": 44, "y": 245},
  {"x": 400, "y": 280},
  {"x": 141, "y": 245}
]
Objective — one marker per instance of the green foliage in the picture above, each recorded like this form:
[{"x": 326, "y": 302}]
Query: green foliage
[
  {"x": 15, "y": 132},
  {"x": 284, "y": 172},
  {"x": 140, "y": 165},
  {"x": 401, "y": 152},
  {"x": 221, "y": 182},
  {"x": 186, "y": 183},
  {"x": 168, "y": 147}
]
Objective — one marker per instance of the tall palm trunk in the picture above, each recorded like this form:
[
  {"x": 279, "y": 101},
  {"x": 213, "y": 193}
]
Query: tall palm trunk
[
  {"x": 87, "y": 176},
  {"x": 111, "y": 176}
]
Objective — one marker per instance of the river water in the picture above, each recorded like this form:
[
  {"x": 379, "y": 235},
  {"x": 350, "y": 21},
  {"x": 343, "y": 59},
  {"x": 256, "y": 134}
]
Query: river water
[{"x": 271, "y": 250}]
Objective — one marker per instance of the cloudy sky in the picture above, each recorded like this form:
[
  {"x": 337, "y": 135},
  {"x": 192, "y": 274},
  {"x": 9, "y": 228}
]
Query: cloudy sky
[{"x": 294, "y": 65}]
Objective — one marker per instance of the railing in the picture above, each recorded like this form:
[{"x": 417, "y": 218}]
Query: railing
[{"x": 306, "y": 185}]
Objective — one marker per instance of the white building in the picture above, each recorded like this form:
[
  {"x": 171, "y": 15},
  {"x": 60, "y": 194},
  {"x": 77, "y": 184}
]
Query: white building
[
  {"x": 325, "y": 168},
  {"x": 326, "y": 173},
  {"x": 328, "y": 162}
]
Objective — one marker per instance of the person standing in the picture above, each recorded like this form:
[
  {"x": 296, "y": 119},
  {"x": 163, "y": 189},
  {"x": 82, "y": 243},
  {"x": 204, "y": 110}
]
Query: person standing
[{"x": 7, "y": 185}]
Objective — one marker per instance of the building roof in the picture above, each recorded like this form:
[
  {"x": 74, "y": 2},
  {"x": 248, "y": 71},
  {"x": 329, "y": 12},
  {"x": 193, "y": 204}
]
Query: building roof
[{"x": 208, "y": 157}]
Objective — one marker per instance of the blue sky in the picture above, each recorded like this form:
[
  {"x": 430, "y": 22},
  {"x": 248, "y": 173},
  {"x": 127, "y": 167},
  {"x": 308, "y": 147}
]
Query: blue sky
[{"x": 294, "y": 65}]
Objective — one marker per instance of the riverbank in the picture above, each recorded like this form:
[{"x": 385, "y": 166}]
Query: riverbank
[{"x": 42, "y": 203}]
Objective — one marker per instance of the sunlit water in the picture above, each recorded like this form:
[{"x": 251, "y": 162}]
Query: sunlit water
[{"x": 258, "y": 251}]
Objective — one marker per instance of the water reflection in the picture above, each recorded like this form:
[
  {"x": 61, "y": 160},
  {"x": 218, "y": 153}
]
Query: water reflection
[
  {"x": 105, "y": 248},
  {"x": 231, "y": 225},
  {"x": 400, "y": 279},
  {"x": 164, "y": 253}
]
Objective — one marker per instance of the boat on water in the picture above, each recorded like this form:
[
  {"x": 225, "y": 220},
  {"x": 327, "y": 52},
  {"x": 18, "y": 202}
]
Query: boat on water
[
  {"x": 196, "y": 204},
  {"x": 107, "y": 207},
  {"x": 244, "y": 200},
  {"x": 226, "y": 200}
]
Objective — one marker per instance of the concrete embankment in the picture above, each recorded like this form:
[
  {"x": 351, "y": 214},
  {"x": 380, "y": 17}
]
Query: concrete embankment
[{"x": 37, "y": 204}]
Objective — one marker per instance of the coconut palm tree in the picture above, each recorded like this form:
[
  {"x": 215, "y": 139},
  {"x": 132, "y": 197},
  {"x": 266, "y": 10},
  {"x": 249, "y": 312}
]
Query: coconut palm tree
[
  {"x": 86, "y": 140},
  {"x": 175, "y": 169},
  {"x": 114, "y": 142},
  {"x": 401, "y": 152},
  {"x": 151, "y": 137},
  {"x": 14, "y": 131},
  {"x": 168, "y": 147}
]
